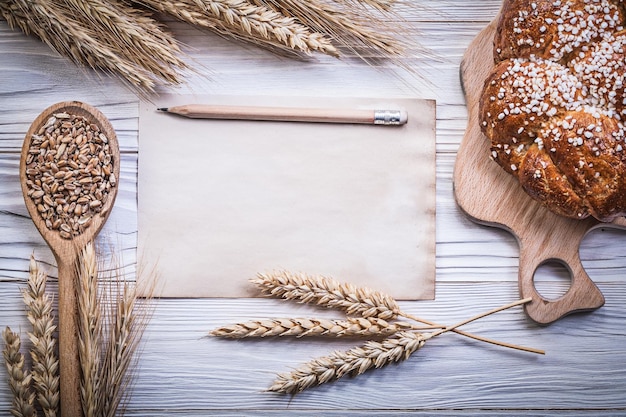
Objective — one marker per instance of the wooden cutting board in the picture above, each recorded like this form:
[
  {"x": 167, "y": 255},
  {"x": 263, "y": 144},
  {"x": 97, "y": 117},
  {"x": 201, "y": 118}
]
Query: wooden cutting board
[{"x": 491, "y": 196}]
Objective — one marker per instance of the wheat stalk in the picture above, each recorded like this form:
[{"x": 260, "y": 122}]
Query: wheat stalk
[
  {"x": 121, "y": 38},
  {"x": 45, "y": 364},
  {"x": 244, "y": 20},
  {"x": 19, "y": 378},
  {"x": 75, "y": 35},
  {"x": 136, "y": 37},
  {"x": 110, "y": 328},
  {"x": 301, "y": 327},
  {"x": 89, "y": 331},
  {"x": 120, "y": 354},
  {"x": 327, "y": 292},
  {"x": 105, "y": 373},
  {"x": 382, "y": 5},
  {"x": 14, "y": 16},
  {"x": 372, "y": 354},
  {"x": 352, "y": 362},
  {"x": 344, "y": 25}
]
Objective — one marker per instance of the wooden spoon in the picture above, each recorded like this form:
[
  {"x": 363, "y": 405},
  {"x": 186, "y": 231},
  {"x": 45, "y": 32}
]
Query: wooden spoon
[{"x": 67, "y": 245}]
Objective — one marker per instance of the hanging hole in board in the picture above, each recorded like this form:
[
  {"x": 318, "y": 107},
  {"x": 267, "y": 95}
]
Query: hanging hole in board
[{"x": 552, "y": 279}]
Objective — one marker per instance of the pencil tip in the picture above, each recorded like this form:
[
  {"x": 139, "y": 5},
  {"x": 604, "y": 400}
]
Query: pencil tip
[{"x": 162, "y": 109}]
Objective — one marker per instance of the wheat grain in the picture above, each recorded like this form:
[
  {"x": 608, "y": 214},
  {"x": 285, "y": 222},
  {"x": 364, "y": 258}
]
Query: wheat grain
[
  {"x": 89, "y": 331},
  {"x": 301, "y": 327},
  {"x": 327, "y": 292},
  {"x": 353, "y": 362},
  {"x": 45, "y": 364},
  {"x": 19, "y": 378},
  {"x": 69, "y": 172}
]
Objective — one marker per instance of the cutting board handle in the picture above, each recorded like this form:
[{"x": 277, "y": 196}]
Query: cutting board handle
[{"x": 583, "y": 294}]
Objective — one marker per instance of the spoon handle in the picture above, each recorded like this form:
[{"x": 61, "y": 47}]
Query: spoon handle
[{"x": 69, "y": 365}]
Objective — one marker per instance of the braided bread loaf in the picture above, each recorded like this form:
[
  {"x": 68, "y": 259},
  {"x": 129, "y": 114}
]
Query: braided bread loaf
[{"x": 554, "y": 105}]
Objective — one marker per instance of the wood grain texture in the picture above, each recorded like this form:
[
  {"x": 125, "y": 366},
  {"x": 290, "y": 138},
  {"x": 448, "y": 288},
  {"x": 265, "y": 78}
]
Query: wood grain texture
[
  {"x": 490, "y": 195},
  {"x": 67, "y": 251},
  {"x": 183, "y": 373}
]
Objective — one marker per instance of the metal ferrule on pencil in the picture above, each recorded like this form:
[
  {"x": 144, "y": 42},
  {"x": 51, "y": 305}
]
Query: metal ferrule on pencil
[{"x": 387, "y": 117}]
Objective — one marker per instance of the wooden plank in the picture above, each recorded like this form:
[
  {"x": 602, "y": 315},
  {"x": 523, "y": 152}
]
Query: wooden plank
[{"x": 183, "y": 373}]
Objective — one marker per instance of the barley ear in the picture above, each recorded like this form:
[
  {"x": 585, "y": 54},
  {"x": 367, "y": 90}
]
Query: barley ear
[{"x": 19, "y": 378}]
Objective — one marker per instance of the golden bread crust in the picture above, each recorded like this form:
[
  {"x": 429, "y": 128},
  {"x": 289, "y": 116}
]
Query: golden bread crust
[{"x": 553, "y": 106}]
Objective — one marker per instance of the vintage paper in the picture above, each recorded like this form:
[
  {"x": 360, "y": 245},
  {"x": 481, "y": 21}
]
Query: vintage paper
[{"x": 220, "y": 200}]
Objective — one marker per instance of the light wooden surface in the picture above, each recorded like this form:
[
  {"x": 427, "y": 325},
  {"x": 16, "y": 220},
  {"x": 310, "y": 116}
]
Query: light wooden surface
[
  {"x": 490, "y": 195},
  {"x": 182, "y": 372}
]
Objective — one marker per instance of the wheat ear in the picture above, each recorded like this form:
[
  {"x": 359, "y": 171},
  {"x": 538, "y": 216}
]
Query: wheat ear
[
  {"x": 124, "y": 338},
  {"x": 301, "y": 327},
  {"x": 361, "y": 358},
  {"x": 343, "y": 24},
  {"x": 89, "y": 45},
  {"x": 351, "y": 362},
  {"x": 19, "y": 378},
  {"x": 382, "y": 5},
  {"x": 89, "y": 331},
  {"x": 136, "y": 37},
  {"x": 327, "y": 292},
  {"x": 243, "y": 20},
  {"x": 110, "y": 328},
  {"x": 45, "y": 364},
  {"x": 14, "y": 16}
]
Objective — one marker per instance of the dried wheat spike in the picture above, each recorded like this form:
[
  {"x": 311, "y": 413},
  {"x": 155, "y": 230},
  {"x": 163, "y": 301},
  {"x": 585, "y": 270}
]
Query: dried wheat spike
[
  {"x": 352, "y": 362},
  {"x": 19, "y": 378},
  {"x": 350, "y": 25},
  {"x": 89, "y": 331},
  {"x": 80, "y": 37},
  {"x": 132, "y": 33},
  {"x": 241, "y": 19},
  {"x": 329, "y": 293},
  {"x": 127, "y": 325},
  {"x": 301, "y": 327},
  {"x": 45, "y": 364}
]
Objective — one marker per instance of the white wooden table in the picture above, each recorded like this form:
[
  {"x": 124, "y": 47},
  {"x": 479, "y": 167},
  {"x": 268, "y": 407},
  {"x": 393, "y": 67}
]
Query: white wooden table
[{"x": 182, "y": 372}]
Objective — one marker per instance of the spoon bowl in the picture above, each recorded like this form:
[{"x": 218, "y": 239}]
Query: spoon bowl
[{"x": 69, "y": 168}]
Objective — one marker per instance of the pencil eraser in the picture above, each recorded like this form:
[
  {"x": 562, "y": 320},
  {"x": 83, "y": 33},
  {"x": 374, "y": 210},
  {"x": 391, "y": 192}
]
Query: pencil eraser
[{"x": 404, "y": 117}]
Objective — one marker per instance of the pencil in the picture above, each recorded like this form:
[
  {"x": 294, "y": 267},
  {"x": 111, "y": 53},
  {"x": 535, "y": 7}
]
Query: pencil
[{"x": 290, "y": 114}]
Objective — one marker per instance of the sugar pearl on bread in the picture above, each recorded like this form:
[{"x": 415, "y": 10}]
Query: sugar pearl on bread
[
  {"x": 520, "y": 97},
  {"x": 583, "y": 149},
  {"x": 553, "y": 29},
  {"x": 554, "y": 105},
  {"x": 602, "y": 67}
]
